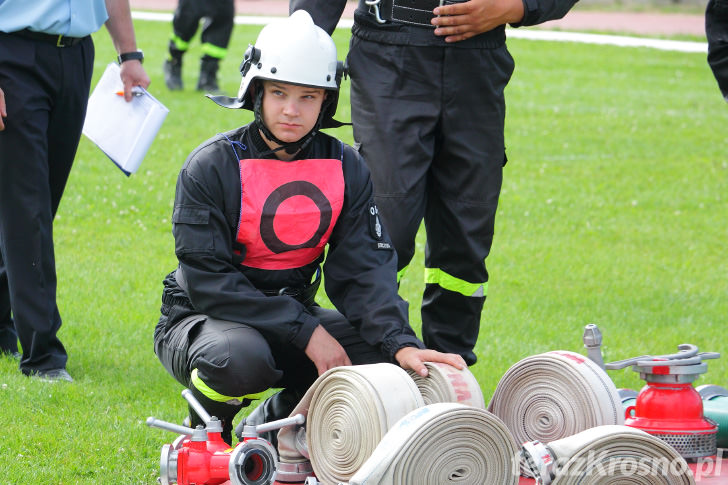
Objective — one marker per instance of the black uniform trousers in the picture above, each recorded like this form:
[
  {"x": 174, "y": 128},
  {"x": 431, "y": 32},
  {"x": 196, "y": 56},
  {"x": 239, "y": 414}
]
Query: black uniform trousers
[
  {"x": 236, "y": 360},
  {"x": 430, "y": 121},
  {"x": 219, "y": 18},
  {"x": 46, "y": 92},
  {"x": 716, "y": 31}
]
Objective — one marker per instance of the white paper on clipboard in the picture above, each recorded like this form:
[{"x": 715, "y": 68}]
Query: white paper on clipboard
[{"x": 123, "y": 131}]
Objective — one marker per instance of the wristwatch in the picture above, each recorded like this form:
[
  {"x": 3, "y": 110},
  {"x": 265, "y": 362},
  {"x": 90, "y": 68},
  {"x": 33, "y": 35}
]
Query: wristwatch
[{"x": 129, "y": 56}]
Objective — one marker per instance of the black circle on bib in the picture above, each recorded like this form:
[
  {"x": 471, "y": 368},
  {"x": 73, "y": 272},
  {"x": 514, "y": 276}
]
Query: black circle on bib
[{"x": 280, "y": 195}]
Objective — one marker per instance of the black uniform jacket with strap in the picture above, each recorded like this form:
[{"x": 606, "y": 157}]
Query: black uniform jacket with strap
[
  {"x": 407, "y": 22},
  {"x": 246, "y": 224}
]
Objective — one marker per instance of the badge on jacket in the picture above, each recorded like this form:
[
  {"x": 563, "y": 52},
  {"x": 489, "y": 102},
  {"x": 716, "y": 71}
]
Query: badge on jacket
[{"x": 375, "y": 227}]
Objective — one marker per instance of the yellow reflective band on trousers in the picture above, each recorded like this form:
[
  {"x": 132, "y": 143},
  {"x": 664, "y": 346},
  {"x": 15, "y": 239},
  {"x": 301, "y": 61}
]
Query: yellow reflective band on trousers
[
  {"x": 213, "y": 395},
  {"x": 213, "y": 50},
  {"x": 180, "y": 44},
  {"x": 449, "y": 282},
  {"x": 400, "y": 274}
]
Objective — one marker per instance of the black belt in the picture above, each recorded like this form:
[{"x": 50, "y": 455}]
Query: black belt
[
  {"x": 56, "y": 39},
  {"x": 414, "y": 12},
  {"x": 304, "y": 294}
]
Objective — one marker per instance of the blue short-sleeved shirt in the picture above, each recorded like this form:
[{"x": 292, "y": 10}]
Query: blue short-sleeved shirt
[{"x": 72, "y": 18}]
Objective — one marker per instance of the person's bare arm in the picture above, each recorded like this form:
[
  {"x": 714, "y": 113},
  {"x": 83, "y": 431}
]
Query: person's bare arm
[
  {"x": 121, "y": 30},
  {"x": 460, "y": 21}
]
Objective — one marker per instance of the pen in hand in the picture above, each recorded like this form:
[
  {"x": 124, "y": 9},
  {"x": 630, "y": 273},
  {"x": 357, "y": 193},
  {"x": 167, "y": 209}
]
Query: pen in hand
[{"x": 133, "y": 93}]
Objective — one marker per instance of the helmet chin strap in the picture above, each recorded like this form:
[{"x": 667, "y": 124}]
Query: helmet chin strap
[{"x": 289, "y": 147}]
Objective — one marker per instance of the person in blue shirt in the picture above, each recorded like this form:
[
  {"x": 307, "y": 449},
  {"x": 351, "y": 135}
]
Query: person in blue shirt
[{"x": 46, "y": 63}]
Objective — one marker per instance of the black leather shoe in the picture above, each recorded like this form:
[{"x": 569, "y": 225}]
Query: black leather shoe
[{"x": 52, "y": 375}]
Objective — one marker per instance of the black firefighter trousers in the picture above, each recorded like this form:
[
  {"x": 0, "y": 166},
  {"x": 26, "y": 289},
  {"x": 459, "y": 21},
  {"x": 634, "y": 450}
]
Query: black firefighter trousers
[
  {"x": 218, "y": 359},
  {"x": 219, "y": 18},
  {"x": 430, "y": 123}
]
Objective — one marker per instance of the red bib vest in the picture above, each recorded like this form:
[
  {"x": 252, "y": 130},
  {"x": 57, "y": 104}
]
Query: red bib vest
[{"x": 288, "y": 210}]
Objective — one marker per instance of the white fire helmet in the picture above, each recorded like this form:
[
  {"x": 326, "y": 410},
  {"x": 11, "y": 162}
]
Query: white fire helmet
[{"x": 292, "y": 50}]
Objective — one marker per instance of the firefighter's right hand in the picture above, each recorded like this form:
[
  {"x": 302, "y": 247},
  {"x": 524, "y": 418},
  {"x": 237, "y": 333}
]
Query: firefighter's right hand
[{"x": 325, "y": 351}]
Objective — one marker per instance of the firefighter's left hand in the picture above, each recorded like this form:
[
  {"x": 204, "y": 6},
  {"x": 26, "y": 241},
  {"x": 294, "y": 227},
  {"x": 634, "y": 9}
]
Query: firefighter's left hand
[
  {"x": 460, "y": 21},
  {"x": 414, "y": 358}
]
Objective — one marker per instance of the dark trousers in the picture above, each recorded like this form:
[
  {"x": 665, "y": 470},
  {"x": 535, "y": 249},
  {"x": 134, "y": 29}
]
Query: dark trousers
[
  {"x": 716, "y": 30},
  {"x": 430, "y": 123},
  {"x": 236, "y": 360},
  {"x": 46, "y": 91},
  {"x": 219, "y": 18}
]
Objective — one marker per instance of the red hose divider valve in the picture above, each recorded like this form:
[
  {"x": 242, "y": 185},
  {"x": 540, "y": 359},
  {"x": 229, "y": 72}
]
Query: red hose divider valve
[
  {"x": 668, "y": 406},
  {"x": 201, "y": 457}
]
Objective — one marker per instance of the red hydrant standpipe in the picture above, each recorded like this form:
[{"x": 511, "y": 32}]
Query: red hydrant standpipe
[
  {"x": 668, "y": 406},
  {"x": 201, "y": 457}
]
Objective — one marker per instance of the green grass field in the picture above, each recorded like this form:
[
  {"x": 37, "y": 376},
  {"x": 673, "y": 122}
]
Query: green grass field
[{"x": 614, "y": 211}]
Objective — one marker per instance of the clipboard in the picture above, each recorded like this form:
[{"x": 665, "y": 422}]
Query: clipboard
[{"x": 123, "y": 131}]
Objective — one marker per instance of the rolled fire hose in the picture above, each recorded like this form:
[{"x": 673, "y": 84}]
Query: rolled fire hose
[
  {"x": 443, "y": 443},
  {"x": 349, "y": 410},
  {"x": 715, "y": 407},
  {"x": 553, "y": 395},
  {"x": 445, "y": 383},
  {"x": 607, "y": 455}
]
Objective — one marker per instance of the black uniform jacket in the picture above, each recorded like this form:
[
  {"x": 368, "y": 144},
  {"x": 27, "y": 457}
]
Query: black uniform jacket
[
  {"x": 326, "y": 15},
  {"x": 359, "y": 269}
]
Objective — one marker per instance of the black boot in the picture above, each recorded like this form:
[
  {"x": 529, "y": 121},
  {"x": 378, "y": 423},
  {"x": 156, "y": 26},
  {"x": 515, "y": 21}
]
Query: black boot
[
  {"x": 208, "y": 75},
  {"x": 173, "y": 74},
  {"x": 278, "y": 406},
  {"x": 173, "y": 68}
]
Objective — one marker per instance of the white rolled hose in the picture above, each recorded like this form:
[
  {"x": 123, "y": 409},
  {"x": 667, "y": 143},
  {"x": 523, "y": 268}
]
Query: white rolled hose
[
  {"x": 445, "y": 383},
  {"x": 440, "y": 444},
  {"x": 349, "y": 410},
  {"x": 607, "y": 455},
  {"x": 556, "y": 394}
]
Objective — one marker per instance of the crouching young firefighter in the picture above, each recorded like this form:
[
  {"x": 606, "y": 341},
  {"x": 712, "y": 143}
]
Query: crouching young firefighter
[{"x": 254, "y": 211}]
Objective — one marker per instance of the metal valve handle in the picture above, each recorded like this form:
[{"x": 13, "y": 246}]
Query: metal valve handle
[
  {"x": 250, "y": 431},
  {"x": 167, "y": 426},
  {"x": 212, "y": 424},
  {"x": 593, "y": 342},
  {"x": 688, "y": 355},
  {"x": 201, "y": 412}
]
